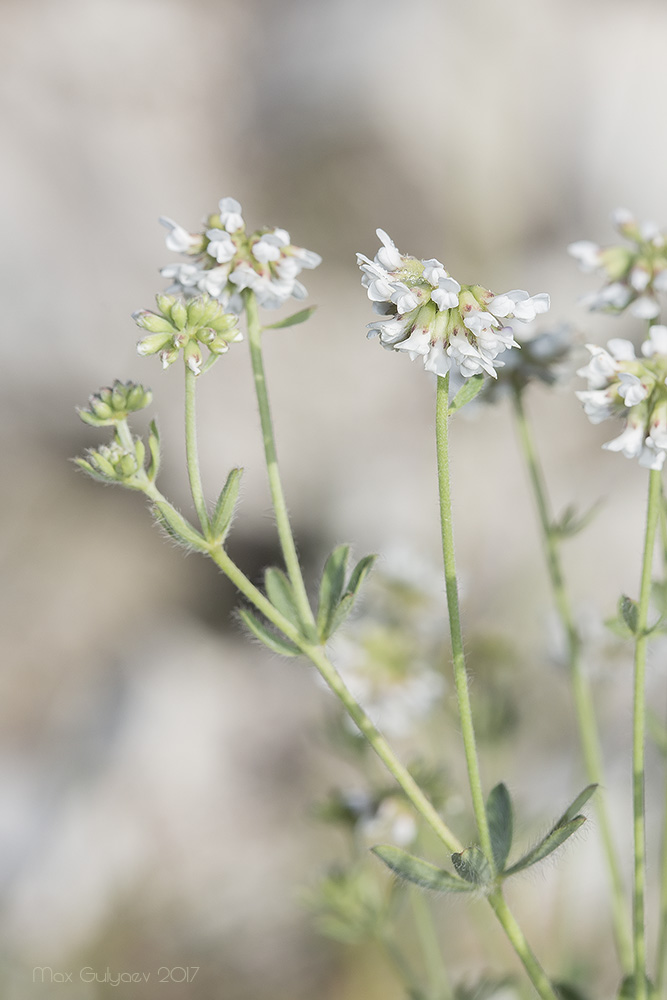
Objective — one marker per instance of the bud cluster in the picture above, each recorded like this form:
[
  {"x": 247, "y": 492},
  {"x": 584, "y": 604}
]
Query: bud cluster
[
  {"x": 187, "y": 326},
  {"x": 117, "y": 463},
  {"x": 635, "y": 274},
  {"x": 225, "y": 259},
  {"x": 111, "y": 404},
  {"x": 427, "y": 313},
  {"x": 620, "y": 384}
]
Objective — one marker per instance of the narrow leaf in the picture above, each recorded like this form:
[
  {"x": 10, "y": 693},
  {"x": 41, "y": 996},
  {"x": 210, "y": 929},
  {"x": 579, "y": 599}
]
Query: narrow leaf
[
  {"x": 87, "y": 467},
  {"x": 297, "y": 317},
  {"x": 499, "y": 812},
  {"x": 331, "y": 587},
  {"x": 224, "y": 508},
  {"x": 275, "y": 642},
  {"x": 629, "y": 611},
  {"x": 419, "y": 872},
  {"x": 178, "y": 528},
  {"x": 154, "y": 448},
  {"x": 573, "y": 809},
  {"x": 279, "y": 591},
  {"x": 550, "y": 843},
  {"x": 340, "y": 614},
  {"x": 467, "y": 392},
  {"x": 359, "y": 574},
  {"x": 472, "y": 866}
]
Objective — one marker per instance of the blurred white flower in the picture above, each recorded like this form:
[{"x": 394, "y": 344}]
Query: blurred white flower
[
  {"x": 619, "y": 384},
  {"x": 634, "y": 273},
  {"x": 229, "y": 260},
  {"x": 426, "y": 312}
]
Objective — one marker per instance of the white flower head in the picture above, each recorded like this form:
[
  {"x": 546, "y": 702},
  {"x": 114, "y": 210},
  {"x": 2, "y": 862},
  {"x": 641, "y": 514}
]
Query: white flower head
[
  {"x": 427, "y": 313},
  {"x": 229, "y": 260},
  {"x": 634, "y": 273},
  {"x": 620, "y": 384}
]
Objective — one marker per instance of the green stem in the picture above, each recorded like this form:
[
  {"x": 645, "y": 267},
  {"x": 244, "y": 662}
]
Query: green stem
[
  {"x": 451, "y": 586},
  {"x": 428, "y": 938},
  {"x": 277, "y": 495},
  {"x": 661, "y": 951},
  {"x": 403, "y": 777},
  {"x": 639, "y": 735},
  {"x": 333, "y": 679},
  {"x": 194, "y": 474},
  {"x": 516, "y": 936},
  {"x": 583, "y": 700}
]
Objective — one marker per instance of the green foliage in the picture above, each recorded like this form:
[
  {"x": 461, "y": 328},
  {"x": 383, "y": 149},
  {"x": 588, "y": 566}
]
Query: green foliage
[
  {"x": 154, "y": 449},
  {"x": 562, "y": 829},
  {"x": 570, "y": 523},
  {"x": 348, "y": 905},
  {"x": 297, "y": 317},
  {"x": 473, "y": 866},
  {"x": 420, "y": 872},
  {"x": 225, "y": 506},
  {"x": 178, "y": 528},
  {"x": 275, "y": 642},
  {"x": 499, "y": 814},
  {"x": 336, "y": 598},
  {"x": 470, "y": 388}
]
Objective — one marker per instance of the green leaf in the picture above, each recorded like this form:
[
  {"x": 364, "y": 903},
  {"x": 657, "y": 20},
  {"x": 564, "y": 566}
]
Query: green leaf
[
  {"x": 629, "y": 611},
  {"x": 573, "y": 809},
  {"x": 87, "y": 467},
  {"x": 298, "y": 317},
  {"x": 564, "y": 991},
  {"x": 332, "y": 586},
  {"x": 154, "y": 449},
  {"x": 281, "y": 594},
  {"x": 473, "y": 866},
  {"x": 224, "y": 508},
  {"x": 550, "y": 843},
  {"x": 499, "y": 813},
  {"x": 178, "y": 528},
  {"x": 467, "y": 392},
  {"x": 359, "y": 574},
  {"x": 570, "y": 523},
  {"x": 341, "y": 613},
  {"x": 419, "y": 872},
  {"x": 276, "y": 643}
]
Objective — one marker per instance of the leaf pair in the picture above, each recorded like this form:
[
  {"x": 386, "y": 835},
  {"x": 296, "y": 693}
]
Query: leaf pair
[
  {"x": 337, "y": 597},
  {"x": 473, "y": 869},
  {"x": 280, "y": 592}
]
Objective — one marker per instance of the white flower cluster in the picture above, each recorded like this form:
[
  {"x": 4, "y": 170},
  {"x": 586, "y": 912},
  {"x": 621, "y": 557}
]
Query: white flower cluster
[
  {"x": 226, "y": 259},
  {"x": 634, "y": 274},
  {"x": 620, "y": 384},
  {"x": 425, "y": 312}
]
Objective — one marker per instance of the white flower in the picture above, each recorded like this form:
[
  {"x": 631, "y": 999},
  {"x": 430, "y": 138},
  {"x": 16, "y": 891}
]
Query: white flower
[
  {"x": 630, "y": 389},
  {"x": 586, "y": 254},
  {"x": 428, "y": 314},
  {"x": 178, "y": 238},
  {"x": 657, "y": 341},
  {"x": 221, "y": 245},
  {"x": 619, "y": 384},
  {"x": 230, "y": 214}
]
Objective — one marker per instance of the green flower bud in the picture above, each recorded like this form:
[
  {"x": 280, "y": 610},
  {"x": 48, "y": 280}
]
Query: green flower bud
[
  {"x": 165, "y": 302},
  {"x": 156, "y": 342},
  {"x": 152, "y": 322},
  {"x": 179, "y": 315}
]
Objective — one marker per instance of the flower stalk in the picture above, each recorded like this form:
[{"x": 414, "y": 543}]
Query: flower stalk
[
  {"x": 639, "y": 737},
  {"x": 583, "y": 701},
  {"x": 194, "y": 475},
  {"x": 279, "y": 506},
  {"x": 456, "y": 634}
]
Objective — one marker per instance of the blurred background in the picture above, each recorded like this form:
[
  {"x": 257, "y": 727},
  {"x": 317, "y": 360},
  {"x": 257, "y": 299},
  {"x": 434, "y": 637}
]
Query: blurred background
[{"x": 158, "y": 770}]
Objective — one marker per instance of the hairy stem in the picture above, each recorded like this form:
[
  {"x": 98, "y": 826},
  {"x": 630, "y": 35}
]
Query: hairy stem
[
  {"x": 194, "y": 474},
  {"x": 583, "y": 700},
  {"x": 451, "y": 586},
  {"x": 639, "y": 736},
  {"x": 280, "y": 507}
]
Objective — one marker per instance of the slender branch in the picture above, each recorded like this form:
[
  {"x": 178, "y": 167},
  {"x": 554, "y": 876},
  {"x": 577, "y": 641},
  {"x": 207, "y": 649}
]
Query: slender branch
[
  {"x": 437, "y": 973},
  {"x": 661, "y": 950},
  {"x": 194, "y": 474},
  {"x": 639, "y": 736},
  {"x": 451, "y": 586},
  {"x": 583, "y": 699},
  {"x": 517, "y": 938},
  {"x": 277, "y": 495}
]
